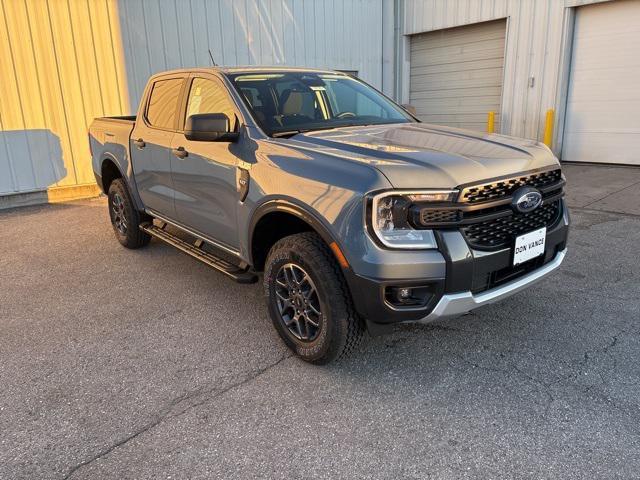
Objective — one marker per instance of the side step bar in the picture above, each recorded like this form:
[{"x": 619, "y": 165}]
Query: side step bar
[{"x": 196, "y": 251}]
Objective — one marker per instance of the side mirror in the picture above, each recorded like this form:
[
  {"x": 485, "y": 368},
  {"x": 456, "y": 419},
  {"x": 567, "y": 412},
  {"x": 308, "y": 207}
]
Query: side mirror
[
  {"x": 410, "y": 108},
  {"x": 209, "y": 127}
]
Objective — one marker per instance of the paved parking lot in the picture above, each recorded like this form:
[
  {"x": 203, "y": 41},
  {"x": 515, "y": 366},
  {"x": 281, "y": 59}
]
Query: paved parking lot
[{"x": 147, "y": 364}]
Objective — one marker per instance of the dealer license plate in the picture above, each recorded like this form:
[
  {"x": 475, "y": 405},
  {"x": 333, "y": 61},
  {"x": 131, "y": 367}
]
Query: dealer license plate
[{"x": 528, "y": 246}]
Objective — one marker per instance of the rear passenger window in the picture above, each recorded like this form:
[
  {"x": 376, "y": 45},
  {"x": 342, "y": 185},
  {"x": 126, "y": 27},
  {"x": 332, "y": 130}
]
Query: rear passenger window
[{"x": 163, "y": 103}]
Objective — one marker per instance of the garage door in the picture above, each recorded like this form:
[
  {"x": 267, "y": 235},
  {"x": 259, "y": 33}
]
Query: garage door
[
  {"x": 456, "y": 74},
  {"x": 602, "y": 123}
]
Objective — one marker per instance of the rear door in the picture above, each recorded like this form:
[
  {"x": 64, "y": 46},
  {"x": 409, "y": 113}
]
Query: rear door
[
  {"x": 206, "y": 198},
  {"x": 150, "y": 144}
]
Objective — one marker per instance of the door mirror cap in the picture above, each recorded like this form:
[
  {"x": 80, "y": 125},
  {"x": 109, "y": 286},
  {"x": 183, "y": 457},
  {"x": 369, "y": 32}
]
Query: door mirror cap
[
  {"x": 410, "y": 108},
  {"x": 209, "y": 127}
]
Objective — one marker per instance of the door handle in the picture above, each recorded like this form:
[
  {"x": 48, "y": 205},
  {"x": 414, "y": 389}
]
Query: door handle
[
  {"x": 180, "y": 152},
  {"x": 139, "y": 143}
]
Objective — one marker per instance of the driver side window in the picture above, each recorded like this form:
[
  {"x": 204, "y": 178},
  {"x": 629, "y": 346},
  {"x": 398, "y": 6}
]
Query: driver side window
[{"x": 207, "y": 96}]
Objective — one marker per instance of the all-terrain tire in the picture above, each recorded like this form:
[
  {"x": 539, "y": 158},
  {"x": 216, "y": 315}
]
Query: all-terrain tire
[
  {"x": 125, "y": 218},
  {"x": 340, "y": 328}
]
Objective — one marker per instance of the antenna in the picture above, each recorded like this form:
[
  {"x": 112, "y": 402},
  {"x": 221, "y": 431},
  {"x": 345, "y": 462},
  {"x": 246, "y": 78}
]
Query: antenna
[{"x": 211, "y": 57}]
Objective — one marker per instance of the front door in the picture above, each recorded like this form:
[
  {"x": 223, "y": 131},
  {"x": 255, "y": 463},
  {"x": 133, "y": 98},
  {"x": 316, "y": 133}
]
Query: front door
[
  {"x": 204, "y": 180},
  {"x": 150, "y": 145}
]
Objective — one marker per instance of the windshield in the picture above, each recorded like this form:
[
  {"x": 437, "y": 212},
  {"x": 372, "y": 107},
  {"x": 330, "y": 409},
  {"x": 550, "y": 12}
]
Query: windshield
[{"x": 291, "y": 102}]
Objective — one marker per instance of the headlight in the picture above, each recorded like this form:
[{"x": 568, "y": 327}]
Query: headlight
[{"x": 389, "y": 218}]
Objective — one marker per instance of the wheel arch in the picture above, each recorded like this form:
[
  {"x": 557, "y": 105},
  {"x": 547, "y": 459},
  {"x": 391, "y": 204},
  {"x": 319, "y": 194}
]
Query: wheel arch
[
  {"x": 109, "y": 171},
  {"x": 291, "y": 218}
]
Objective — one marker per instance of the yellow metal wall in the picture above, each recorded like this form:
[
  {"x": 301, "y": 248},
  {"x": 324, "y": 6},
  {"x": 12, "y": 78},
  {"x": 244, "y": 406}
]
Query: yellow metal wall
[
  {"x": 61, "y": 65},
  {"x": 65, "y": 62}
]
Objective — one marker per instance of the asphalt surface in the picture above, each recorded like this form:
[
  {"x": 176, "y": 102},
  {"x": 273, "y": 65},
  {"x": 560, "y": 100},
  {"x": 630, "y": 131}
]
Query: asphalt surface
[{"x": 146, "y": 364}]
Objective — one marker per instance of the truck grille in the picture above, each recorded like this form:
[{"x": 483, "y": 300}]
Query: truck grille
[
  {"x": 499, "y": 232},
  {"x": 503, "y": 188},
  {"x": 483, "y": 212},
  {"x": 439, "y": 216}
]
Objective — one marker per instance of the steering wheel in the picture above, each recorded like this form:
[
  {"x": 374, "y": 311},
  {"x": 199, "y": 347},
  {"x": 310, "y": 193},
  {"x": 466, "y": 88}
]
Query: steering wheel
[{"x": 346, "y": 115}]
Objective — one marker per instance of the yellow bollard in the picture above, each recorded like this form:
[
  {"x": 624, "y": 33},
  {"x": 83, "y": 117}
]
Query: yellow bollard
[
  {"x": 491, "y": 122},
  {"x": 548, "y": 127}
]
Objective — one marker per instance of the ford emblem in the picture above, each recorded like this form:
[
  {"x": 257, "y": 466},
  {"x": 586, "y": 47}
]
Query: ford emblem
[{"x": 526, "y": 199}]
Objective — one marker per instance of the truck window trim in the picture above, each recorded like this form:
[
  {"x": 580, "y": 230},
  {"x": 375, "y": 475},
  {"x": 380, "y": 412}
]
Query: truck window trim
[
  {"x": 221, "y": 84},
  {"x": 181, "y": 99}
]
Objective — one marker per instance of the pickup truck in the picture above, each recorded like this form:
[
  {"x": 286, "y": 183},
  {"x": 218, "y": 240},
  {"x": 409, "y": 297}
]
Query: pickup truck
[{"x": 357, "y": 215}]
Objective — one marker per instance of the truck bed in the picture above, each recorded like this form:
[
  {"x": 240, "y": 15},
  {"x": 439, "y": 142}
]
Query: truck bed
[
  {"x": 119, "y": 119},
  {"x": 109, "y": 138}
]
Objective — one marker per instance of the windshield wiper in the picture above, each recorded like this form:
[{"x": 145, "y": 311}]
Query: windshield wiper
[
  {"x": 291, "y": 133},
  {"x": 287, "y": 133}
]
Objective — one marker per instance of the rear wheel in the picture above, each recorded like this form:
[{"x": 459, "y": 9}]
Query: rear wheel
[
  {"x": 308, "y": 299},
  {"x": 125, "y": 218}
]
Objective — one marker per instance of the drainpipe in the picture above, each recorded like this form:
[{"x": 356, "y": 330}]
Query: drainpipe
[
  {"x": 401, "y": 47},
  {"x": 388, "y": 47}
]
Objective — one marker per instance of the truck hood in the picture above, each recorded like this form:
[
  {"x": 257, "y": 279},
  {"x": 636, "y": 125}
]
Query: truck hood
[{"x": 419, "y": 155}]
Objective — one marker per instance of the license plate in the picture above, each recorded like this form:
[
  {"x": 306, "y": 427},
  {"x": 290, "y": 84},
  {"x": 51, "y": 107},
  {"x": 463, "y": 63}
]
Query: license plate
[{"x": 528, "y": 246}]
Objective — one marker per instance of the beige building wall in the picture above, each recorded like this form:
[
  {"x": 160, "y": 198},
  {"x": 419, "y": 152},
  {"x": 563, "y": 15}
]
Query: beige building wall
[{"x": 61, "y": 65}]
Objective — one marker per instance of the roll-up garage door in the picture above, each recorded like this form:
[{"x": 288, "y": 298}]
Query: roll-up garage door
[
  {"x": 602, "y": 122},
  {"x": 456, "y": 74}
]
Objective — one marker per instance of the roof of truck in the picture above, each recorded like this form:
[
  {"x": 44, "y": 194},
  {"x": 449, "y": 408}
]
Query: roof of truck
[
  {"x": 248, "y": 69},
  {"x": 252, "y": 68}
]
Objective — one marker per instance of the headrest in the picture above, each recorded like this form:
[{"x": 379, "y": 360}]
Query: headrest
[{"x": 295, "y": 102}]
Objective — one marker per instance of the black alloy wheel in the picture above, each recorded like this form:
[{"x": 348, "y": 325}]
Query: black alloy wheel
[
  {"x": 118, "y": 213},
  {"x": 298, "y": 302},
  {"x": 125, "y": 218}
]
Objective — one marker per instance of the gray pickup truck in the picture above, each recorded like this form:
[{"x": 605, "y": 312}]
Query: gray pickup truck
[{"x": 358, "y": 215}]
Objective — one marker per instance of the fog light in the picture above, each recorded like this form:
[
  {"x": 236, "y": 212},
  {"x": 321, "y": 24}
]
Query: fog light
[
  {"x": 404, "y": 294},
  {"x": 401, "y": 296},
  {"x": 414, "y": 296}
]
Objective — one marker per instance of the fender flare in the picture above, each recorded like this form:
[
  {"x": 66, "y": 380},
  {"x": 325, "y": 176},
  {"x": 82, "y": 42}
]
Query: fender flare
[
  {"x": 299, "y": 211},
  {"x": 133, "y": 191},
  {"x": 112, "y": 159},
  {"x": 292, "y": 208}
]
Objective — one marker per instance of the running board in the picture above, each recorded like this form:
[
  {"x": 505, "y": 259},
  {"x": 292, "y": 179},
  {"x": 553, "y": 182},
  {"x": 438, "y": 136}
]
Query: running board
[{"x": 195, "y": 250}]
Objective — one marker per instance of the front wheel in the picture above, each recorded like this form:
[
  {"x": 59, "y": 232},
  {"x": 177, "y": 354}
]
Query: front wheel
[{"x": 308, "y": 299}]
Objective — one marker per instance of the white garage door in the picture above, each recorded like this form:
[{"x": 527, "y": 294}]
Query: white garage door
[
  {"x": 602, "y": 123},
  {"x": 456, "y": 74}
]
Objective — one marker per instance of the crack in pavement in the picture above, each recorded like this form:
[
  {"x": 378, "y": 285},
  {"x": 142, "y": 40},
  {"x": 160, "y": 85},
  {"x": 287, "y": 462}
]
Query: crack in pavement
[
  {"x": 609, "y": 194},
  {"x": 610, "y": 212},
  {"x": 549, "y": 388},
  {"x": 166, "y": 412}
]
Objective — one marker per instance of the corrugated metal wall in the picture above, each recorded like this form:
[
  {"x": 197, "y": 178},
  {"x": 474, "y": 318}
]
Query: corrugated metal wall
[
  {"x": 64, "y": 62},
  {"x": 534, "y": 48},
  {"x": 343, "y": 35},
  {"x": 59, "y": 66}
]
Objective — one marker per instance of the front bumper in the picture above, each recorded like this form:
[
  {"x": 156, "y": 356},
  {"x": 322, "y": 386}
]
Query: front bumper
[
  {"x": 458, "y": 277},
  {"x": 453, "y": 304}
]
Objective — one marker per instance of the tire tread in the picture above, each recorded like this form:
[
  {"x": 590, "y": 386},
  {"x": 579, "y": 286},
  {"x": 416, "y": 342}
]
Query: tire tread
[
  {"x": 135, "y": 237},
  {"x": 331, "y": 275}
]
